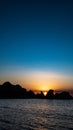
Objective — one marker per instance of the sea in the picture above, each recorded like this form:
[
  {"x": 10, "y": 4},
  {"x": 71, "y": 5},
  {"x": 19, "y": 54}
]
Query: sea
[{"x": 36, "y": 114}]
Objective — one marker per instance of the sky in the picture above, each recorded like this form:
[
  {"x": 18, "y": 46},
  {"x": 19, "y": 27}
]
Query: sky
[{"x": 36, "y": 43}]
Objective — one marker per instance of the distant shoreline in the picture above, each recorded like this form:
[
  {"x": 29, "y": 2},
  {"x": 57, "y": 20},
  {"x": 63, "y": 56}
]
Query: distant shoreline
[{"x": 10, "y": 91}]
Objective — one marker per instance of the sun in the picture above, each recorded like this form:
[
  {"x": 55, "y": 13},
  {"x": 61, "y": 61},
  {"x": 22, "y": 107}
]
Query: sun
[{"x": 45, "y": 93}]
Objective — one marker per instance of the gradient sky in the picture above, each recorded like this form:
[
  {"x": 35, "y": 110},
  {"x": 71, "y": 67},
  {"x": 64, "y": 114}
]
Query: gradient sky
[{"x": 36, "y": 43}]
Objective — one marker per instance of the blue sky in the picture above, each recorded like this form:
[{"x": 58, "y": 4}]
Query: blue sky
[{"x": 36, "y": 34}]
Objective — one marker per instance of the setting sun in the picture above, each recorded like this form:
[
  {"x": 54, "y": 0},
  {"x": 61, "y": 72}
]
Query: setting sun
[{"x": 45, "y": 93}]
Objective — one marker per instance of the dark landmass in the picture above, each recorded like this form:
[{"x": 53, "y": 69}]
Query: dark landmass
[{"x": 10, "y": 91}]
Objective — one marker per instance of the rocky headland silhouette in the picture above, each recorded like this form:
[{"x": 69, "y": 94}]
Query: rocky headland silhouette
[{"x": 10, "y": 91}]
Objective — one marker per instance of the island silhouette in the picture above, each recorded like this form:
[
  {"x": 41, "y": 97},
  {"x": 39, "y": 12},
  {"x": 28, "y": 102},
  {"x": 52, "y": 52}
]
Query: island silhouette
[{"x": 10, "y": 91}]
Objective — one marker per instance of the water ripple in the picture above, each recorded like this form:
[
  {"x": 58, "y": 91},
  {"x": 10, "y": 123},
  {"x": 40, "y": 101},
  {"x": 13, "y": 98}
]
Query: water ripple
[{"x": 34, "y": 114}]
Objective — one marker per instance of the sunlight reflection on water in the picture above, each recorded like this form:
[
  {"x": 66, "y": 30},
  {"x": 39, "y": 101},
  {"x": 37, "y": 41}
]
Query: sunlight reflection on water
[{"x": 34, "y": 114}]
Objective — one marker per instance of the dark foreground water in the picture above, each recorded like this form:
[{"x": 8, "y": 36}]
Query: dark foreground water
[{"x": 34, "y": 114}]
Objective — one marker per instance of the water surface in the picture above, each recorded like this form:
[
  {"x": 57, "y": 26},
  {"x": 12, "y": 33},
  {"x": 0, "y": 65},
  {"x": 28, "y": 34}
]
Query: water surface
[{"x": 36, "y": 114}]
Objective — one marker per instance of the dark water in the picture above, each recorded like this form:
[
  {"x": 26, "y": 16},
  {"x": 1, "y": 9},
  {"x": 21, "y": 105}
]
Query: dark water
[{"x": 34, "y": 114}]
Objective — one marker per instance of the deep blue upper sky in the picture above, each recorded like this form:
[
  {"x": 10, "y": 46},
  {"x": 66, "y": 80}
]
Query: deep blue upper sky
[{"x": 36, "y": 33}]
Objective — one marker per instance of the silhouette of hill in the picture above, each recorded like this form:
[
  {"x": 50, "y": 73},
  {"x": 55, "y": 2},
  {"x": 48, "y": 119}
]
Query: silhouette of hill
[
  {"x": 50, "y": 94},
  {"x": 63, "y": 95},
  {"x": 40, "y": 95},
  {"x": 8, "y": 90}
]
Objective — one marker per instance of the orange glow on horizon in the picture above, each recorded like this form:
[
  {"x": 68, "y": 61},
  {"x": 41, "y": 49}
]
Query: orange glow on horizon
[
  {"x": 37, "y": 80},
  {"x": 44, "y": 87},
  {"x": 41, "y": 86}
]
